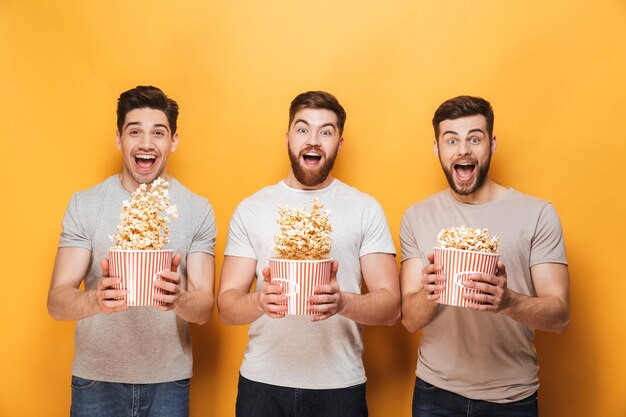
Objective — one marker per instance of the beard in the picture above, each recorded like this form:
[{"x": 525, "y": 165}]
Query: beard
[
  {"x": 483, "y": 170},
  {"x": 311, "y": 177}
]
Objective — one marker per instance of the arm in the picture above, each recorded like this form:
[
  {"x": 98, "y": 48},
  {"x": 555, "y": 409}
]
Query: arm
[
  {"x": 548, "y": 310},
  {"x": 235, "y": 303},
  {"x": 381, "y": 305},
  {"x": 418, "y": 285},
  {"x": 67, "y": 302},
  {"x": 196, "y": 302}
]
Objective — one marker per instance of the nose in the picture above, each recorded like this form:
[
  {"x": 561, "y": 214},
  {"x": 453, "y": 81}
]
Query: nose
[
  {"x": 146, "y": 142},
  {"x": 464, "y": 148},
  {"x": 313, "y": 139}
]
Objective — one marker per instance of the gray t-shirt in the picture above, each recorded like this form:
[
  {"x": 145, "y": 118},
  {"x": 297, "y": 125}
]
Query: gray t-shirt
[
  {"x": 480, "y": 355},
  {"x": 293, "y": 351},
  {"x": 142, "y": 344}
]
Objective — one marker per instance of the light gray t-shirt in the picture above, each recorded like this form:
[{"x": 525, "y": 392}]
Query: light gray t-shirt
[
  {"x": 142, "y": 344},
  {"x": 293, "y": 351},
  {"x": 481, "y": 355}
]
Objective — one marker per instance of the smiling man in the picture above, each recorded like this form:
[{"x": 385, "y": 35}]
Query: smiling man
[
  {"x": 480, "y": 361},
  {"x": 129, "y": 359},
  {"x": 299, "y": 365}
]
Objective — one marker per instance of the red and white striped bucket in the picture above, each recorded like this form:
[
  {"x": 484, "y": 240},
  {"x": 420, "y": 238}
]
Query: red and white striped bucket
[
  {"x": 458, "y": 266},
  {"x": 299, "y": 279},
  {"x": 138, "y": 270}
]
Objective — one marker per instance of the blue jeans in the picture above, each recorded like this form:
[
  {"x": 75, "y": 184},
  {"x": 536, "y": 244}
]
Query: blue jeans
[
  {"x": 111, "y": 399},
  {"x": 256, "y": 399},
  {"x": 430, "y": 401}
]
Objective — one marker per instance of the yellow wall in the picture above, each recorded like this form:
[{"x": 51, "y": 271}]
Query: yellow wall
[{"x": 554, "y": 71}]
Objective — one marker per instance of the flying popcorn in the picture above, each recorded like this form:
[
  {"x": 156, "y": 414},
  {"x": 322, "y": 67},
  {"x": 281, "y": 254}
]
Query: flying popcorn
[
  {"x": 302, "y": 235},
  {"x": 144, "y": 219}
]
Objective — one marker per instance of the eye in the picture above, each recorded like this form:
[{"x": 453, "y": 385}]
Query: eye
[
  {"x": 159, "y": 133},
  {"x": 452, "y": 141},
  {"x": 474, "y": 140},
  {"x": 301, "y": 130},
  {"x": 326, "y": 133},
  {"x": 133, "y": 132}
]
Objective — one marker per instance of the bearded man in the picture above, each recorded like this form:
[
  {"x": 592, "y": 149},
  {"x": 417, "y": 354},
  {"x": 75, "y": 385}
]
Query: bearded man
[{"x": 309, "y": 365}]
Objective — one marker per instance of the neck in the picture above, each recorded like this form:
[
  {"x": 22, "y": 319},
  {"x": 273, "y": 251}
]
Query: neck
[
  {"x": 129, "y": 183},
  {"x": 293, "y": 182},
  {"x": 489, "y": 191}
]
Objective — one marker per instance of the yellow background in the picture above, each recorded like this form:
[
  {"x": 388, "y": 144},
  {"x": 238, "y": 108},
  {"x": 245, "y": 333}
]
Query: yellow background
[{"x": 553, "y": 70}]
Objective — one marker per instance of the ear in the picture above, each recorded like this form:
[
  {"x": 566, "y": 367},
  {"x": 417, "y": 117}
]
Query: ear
[
  {"x": 340, "y": 144},
  {"x": 493, "y": 144},
  {"x": 287, "y": 140},
  {"x": 118, "y": 140},
  {"x": 436, "y": 148},
  {"x": 174, "y": 142}
]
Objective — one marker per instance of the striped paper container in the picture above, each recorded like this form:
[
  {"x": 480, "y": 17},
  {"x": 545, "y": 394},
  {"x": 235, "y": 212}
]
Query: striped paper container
[
  {"x": 458, "y": 265},
  {"x": 299, "y": 278},
  {"x": 138, "y": 270}
]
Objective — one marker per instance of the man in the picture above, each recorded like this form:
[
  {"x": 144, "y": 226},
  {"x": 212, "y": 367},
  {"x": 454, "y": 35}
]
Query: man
[
  {"x": 298, "y": 365},
  {"x": 480, "y": 361},
  {"x": 129, "y": 359}
]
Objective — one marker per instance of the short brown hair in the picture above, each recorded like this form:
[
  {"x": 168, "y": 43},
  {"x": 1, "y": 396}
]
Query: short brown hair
[
  {"x": 463, "y": 106},
  {"x": 318, "y": 100},
  {"x": 146, "y": 96}
]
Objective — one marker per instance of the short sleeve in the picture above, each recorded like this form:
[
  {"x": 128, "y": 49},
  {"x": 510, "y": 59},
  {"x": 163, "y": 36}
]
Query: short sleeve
[
  {"x": 376, "y": 235},
  {"x": 204, "y": 236},
  {"x": 238, "y": 243},
  {"x": 548, "y": 245},
  {"x": 408, "y": 242},
  {"x": 74, "y": 233}
]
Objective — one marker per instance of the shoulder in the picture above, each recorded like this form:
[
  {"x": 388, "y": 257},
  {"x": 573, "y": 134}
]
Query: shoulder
[
  {"x": 261, "y": 198},
  {"x": 433, "y": 202},
  {"x": 187, "y": 198},
  {"x": 97, "y": 192},
  {"x": 528, "y": 202},
  {"x": 354, "y": 195}
]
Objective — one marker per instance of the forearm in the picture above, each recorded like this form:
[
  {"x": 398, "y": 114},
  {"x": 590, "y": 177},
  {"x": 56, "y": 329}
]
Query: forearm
[
  {"x": 378, "y": 307},
  {"x": 238, "y": 307},
  {"x": 195, "y": 306},
  {"x": 417, "y": 310},
  {"x": 69, "y": 303},
  {"x": 542, "y": 313}
]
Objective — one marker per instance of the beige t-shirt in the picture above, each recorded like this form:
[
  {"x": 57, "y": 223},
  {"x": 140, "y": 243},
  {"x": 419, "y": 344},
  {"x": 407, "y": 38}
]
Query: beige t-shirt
[{"x": 481, "y": 355}]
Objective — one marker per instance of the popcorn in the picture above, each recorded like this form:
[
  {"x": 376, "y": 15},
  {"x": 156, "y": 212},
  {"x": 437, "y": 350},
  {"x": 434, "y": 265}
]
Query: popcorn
[
  {"x": 303, "y": 236},
  {"x": 143, "y": 221},
  {"x": 467, "y": 238}
]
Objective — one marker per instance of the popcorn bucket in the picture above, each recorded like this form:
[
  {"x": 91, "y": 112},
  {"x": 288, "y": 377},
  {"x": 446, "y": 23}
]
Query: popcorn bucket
[
  {"x": 458, "y": 266},
  {"x": 299, "y": 279},
  {"x": 138, "y": 270}
]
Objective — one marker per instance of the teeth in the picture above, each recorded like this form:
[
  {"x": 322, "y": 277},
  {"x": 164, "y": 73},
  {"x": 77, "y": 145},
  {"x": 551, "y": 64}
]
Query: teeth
[
  {"x": 145, "y": 156},
  {"x": 311, "y": 154}
]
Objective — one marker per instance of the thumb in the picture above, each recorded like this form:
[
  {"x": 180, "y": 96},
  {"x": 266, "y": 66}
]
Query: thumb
[
  {"x": 266, "y": 275},
  {"x": 175, "y": 262},
  {"x": 431, "y": 258},
  {"x": 334, "y": 266},
  {"x": 501, "y": 268},
  {"x": 104, "y": 264}
]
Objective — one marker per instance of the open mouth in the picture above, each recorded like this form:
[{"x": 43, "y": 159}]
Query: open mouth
[
  {"x": 145, "y": 162},
  {"x": 312, "y": 158},
  {"x": 464, "y": 171}
]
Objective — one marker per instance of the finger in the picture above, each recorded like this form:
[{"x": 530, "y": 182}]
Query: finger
[
  {"x": 175, "y": 262},
  {"x": 108, "y": 282},
  {"x": 167, "y": 286},
  {"x": 431, "y": 258},
  {"x": 331, "y": 288},
  {"x": 166, "y": 298},
  {"x": 334, "y": 267},
  {"x": 266, "y": 274},
  {"x": 274, "y": 299},
  {"x": 481, "y": 286},
  {"x": 170, "y": 276},
  {"x": 500, "y": 269},
  {"x": 104, "y": 264},
  {"x": 112, "y": 294},
  {"x": 322, "y": 299},
  {"x": 268, "y": 288}
]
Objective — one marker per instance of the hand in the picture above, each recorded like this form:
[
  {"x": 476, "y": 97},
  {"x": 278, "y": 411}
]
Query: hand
[
  {"x": 169, "y": 284},
  {"x": 109, "y": 299},
  {"x": 327, "y": 300},
  {"x": 432, "y": 282},
  {"x": 271, "y": 298},
  {"x": 494, "y": 295}
]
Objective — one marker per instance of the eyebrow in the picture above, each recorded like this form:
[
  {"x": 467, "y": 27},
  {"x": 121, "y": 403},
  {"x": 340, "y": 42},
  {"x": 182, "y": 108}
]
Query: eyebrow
[
  {"x": 308, "y": 124},
  {"x": 455, "y": 133},
  {"x": 139, "y": 124}
]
